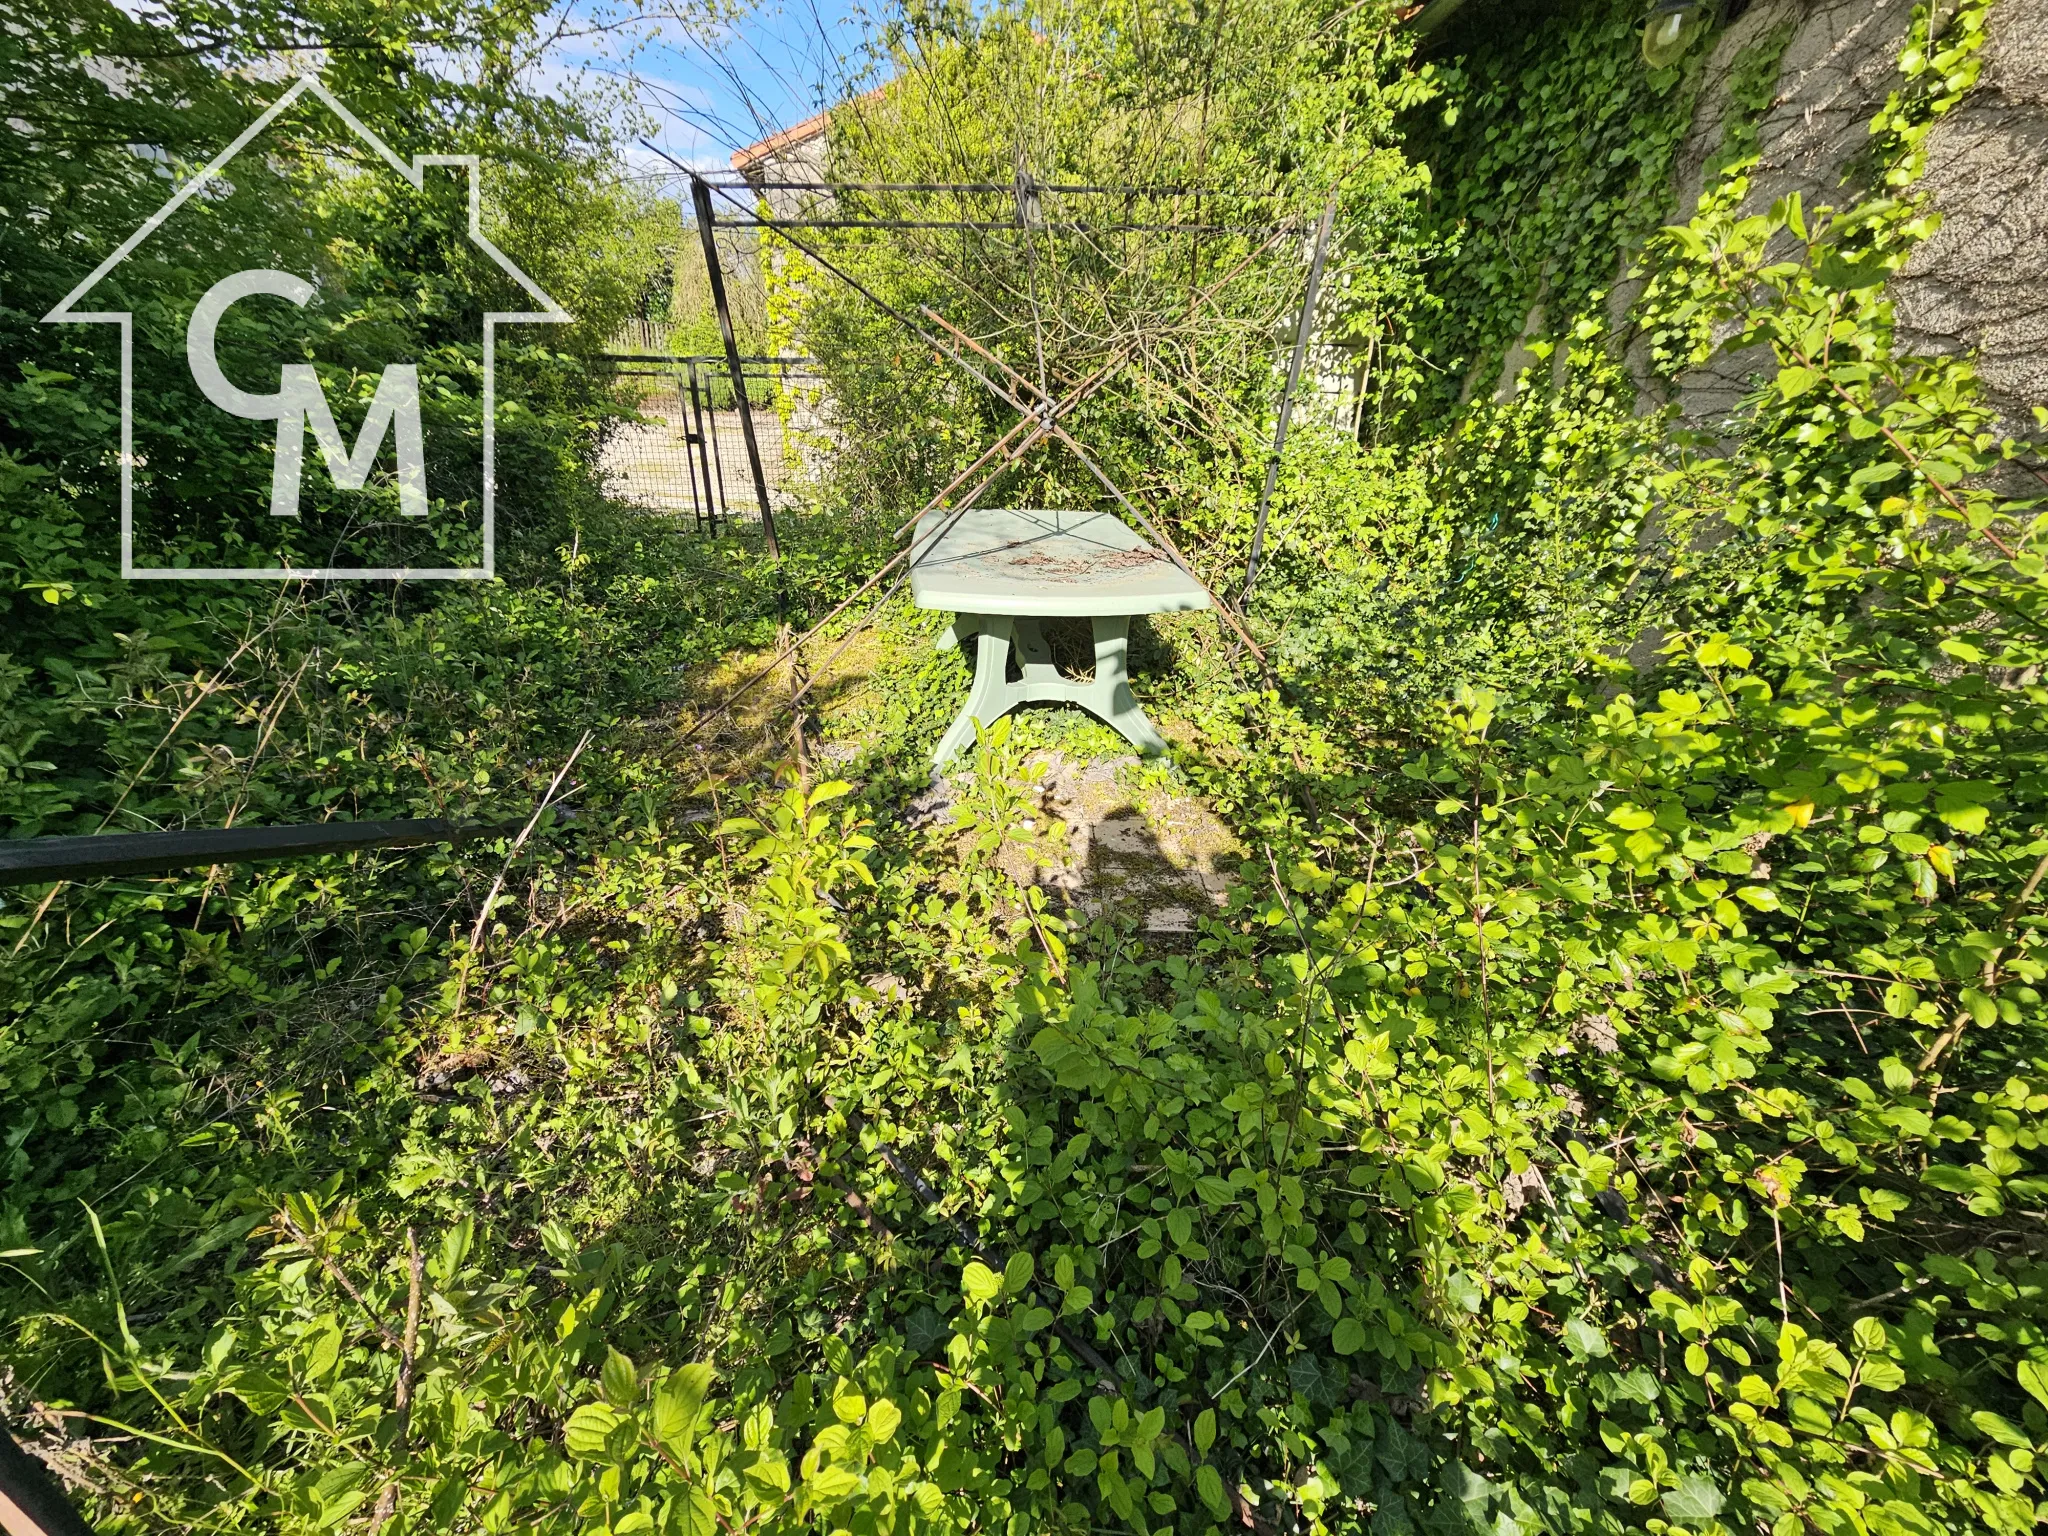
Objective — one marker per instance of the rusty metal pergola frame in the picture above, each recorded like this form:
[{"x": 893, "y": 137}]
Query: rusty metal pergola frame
[
  {"x": 1039, "y": 411},
  {"x": 1030, "y": 400}
]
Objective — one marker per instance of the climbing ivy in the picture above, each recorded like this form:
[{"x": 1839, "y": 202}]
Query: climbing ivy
[
  {"x": 1550, "y": 153},
  {"x": 1752, "y": 81}
]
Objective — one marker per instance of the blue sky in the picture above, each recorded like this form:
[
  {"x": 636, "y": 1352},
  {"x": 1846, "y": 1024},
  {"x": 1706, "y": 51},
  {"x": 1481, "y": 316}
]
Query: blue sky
[{"x": 712, "y": 88}]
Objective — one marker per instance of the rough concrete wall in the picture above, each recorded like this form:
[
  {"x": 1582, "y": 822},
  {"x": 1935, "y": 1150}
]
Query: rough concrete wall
[
  {"x": 1982, "y": 281},
  {"x": 1837, "y": 70}
]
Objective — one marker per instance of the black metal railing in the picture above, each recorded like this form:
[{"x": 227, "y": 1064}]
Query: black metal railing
[
  {"x": 35, "y": 860},
  {"x": 31, "y": 1502}
]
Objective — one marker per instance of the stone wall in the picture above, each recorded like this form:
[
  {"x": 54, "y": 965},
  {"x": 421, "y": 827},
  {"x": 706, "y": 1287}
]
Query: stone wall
[{"x": 1981, "y": 283}]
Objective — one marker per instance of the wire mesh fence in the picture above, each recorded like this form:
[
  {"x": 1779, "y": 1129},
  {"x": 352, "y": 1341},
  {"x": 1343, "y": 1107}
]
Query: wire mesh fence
[{"x": 685, "y": 452}]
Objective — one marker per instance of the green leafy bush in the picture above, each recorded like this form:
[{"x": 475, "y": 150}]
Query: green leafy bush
[{"x": 1609, "y": 1101}]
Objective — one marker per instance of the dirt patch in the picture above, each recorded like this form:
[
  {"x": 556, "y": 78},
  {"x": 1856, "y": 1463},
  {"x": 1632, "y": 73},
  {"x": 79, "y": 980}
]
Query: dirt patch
[{"x": 1135, "y": 845}]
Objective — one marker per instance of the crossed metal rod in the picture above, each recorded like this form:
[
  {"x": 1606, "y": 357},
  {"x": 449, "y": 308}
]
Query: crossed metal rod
[
  {"x": 1048, "y": 413},
  {"x": 1159, "y": 534},
  {"x": 1041, "y": 423}
]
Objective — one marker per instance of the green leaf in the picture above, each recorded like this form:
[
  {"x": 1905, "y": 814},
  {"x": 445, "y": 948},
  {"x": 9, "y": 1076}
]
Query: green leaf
[
  {"x": 1584, "y": 1339},
  {"x": 849, "y": 1405},
  {"x": 1018, "y": 1272},
  {"x": 1992, "y": 1426},
  {"x": 620, "y": 1379},
  {"x": 831, "y": 1483},
  {"x": 455, "y": 1245},
  {"x": 980, "y": 1283},
  {"x": 588, "y": 1429},
  {"x": 696, "y": 1514},
  {"x": 1796, "y": 381},
  {"x": 1962, "y": 804},
  {"x": 1465, "y": 1291},
  {"x": 325, "y": 1353},
  {"x": 1403, "y": 1456},
  {"x": 1205, "y": 1431},
  {"x": 1884, "y": 1204},
  {"x": 1694, "y": 1500},
  {"x": 1314, "y": 1379},
  {"x": 1209, "y": 1484},
  {"x": 677, "y": 1403},
  {"x": 1959, "y": 1179},
  {"x": 1101, "y": 1416},
  {"x": 1348, "y": 1337},
  {"x": 560, "y": 1243},
  {"x": 1720, "y": 651},
  {"x": 2033, "y": 1375},
  {"x": 882, "y": 1420}
]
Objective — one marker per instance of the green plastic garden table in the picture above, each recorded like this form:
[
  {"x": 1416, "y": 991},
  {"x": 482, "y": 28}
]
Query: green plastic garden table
[{"x": 1002, "y": 572}]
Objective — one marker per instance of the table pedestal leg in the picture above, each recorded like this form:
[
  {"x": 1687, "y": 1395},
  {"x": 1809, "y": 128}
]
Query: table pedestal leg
[
  {"x": 1107, "y": 696},
  {"x": 991, "y": 697}
]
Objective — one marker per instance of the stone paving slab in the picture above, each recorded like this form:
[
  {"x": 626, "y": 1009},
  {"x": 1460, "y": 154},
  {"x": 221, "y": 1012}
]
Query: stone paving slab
[{"x": 1133, "y": 845}]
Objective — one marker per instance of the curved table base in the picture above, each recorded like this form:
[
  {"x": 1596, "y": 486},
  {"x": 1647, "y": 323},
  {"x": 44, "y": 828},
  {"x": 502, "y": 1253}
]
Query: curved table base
[{"x": 1107, "y": 695}]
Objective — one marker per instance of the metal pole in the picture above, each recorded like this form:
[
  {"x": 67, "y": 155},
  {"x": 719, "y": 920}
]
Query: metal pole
[
  {"x": 703, "y": 460},
  {"x": 700, "y": 197},
  {"x": 96, "y": 856},
  {"x": 689, "y": 444},
  {"x": 31, "y": 1504},
  {"x": 715, "y": 454},
  {"x": 1301, "y": 335}
]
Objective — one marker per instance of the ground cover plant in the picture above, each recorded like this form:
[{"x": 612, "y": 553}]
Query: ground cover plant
[{"x": 1608, "y": 1101}]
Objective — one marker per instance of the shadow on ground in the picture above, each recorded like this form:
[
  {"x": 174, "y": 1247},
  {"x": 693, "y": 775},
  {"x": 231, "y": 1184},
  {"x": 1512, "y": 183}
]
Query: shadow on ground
[{"x": 1136, "y": 847}]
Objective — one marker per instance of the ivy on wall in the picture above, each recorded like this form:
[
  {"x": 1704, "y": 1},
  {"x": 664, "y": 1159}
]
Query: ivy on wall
[
  {"x": 1752, "y": 80},
  {"x": 1550, "y": 153}
]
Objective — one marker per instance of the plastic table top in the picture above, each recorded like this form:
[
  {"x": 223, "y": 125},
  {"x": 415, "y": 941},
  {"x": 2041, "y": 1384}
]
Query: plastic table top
[{"x": 1044, "y": 564}]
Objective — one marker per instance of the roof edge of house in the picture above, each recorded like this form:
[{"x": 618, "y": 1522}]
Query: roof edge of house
[{"x": 813, "y": 127}]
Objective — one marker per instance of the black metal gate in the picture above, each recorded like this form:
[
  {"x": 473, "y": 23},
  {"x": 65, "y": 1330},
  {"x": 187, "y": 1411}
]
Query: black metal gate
[{"x": 686, "y": 453}]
